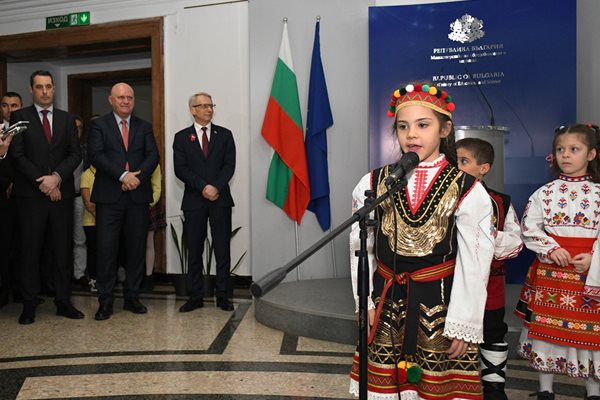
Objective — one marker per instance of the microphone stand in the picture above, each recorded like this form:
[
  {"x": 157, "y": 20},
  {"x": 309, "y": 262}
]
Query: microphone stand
[{"x": 273, "y": 278}]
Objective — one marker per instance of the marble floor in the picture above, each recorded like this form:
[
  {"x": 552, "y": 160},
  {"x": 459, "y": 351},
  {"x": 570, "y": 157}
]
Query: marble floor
[{"x": 204, "y": 354}]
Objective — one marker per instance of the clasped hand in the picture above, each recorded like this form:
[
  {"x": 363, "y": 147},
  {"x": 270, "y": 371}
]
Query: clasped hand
[
  {"x": 48, "y": 184},
  {"x": 210, "y": 192},
  {"x": 130, "y": 181},
  {"x": 581, "y": 262}
]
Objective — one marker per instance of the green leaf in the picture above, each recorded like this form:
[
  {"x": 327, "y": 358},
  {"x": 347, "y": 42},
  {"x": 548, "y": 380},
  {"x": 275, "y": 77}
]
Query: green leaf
[
  {"x": 237, "y": 264},
  {"x": 181, "y": 246}
]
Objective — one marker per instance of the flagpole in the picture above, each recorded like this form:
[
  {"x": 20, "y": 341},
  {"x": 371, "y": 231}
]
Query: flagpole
[{"x": 297, "y": 248}]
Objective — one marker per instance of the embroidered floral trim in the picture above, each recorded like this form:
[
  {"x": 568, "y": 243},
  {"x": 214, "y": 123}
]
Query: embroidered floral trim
[
  {"x": 440, "y": 162},
  {"x": 557, "y": 365},
  {"x": 462, "y": 331},
  {"x": 419, "y": 191},
  {"x": 592, "y": 291},
  {"x": 577, "y": 326},
  {"x": 565, "y": 275},
  {"x": 405, "y": 395},
  {"x": 575, "y": 178}
]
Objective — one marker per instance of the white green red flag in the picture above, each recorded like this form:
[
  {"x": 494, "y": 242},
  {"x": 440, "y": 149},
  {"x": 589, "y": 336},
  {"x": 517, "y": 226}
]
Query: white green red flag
[{"x": 287, "y": 185}]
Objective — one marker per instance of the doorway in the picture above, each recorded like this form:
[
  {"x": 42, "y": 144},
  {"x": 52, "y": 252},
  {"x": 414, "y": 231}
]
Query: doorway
[{"x": 135, "y": 37}]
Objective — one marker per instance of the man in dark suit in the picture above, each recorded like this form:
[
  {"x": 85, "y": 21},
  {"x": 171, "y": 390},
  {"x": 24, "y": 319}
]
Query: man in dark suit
[
  {"x": 11, "y": 101},
  {"x": 4, "y": 145},
  {"x": 44, "y": 158},
  {"x": 204, "y": 158},
  {"x": 122, "y": 148}
]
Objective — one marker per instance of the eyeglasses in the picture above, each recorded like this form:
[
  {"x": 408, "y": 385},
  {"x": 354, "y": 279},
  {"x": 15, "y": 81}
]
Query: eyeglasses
[{"x": 205, "y": 106}]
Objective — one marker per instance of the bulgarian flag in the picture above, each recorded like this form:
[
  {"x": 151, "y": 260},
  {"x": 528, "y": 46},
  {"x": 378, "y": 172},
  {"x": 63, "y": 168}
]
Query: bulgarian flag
[{"x": 287, "y": 186}]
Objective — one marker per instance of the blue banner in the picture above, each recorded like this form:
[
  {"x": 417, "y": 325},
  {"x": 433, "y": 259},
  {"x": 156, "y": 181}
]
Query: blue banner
[
  {"x": 510, "y": 63},
  {"x": 318, "y": 119}
]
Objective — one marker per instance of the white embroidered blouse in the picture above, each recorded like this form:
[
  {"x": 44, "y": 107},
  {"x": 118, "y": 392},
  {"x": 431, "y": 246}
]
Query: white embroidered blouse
[{"x": 567, "y": 207}]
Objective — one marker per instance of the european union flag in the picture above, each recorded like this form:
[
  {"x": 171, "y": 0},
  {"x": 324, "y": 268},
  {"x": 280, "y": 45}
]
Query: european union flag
[{"x": 319, "y": 118}]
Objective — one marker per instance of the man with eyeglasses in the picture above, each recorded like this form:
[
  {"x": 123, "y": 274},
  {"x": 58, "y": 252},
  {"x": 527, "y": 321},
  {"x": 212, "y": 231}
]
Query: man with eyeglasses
[
  {"x": 122, "y": 148},
  {"x": 204, "y": 158}
]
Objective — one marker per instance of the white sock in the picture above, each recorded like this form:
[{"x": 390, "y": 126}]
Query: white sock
[
  {"x": 496, "y": 354},
  {"x": 546, "y": 381},
  {"x": 592, "y": 387}
]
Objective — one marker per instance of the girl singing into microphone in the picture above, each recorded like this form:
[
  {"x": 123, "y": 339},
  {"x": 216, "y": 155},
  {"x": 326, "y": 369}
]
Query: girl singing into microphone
[{"x": 429, "y": 259}]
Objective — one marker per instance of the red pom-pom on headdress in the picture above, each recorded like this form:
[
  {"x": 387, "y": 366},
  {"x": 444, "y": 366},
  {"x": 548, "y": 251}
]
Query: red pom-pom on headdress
[{"x": 424, "y": 95}]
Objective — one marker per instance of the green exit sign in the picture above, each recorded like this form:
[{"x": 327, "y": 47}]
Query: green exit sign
[{"x": 65, "y": 21}]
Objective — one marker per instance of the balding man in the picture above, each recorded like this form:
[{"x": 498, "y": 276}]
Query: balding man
[{"x": 123, "y": 150}]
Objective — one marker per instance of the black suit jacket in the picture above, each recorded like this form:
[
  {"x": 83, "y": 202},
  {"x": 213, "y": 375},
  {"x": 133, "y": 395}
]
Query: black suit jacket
[
  {"x": 197, "y": 171},
  {"x": 107, "y": 153},
  {"x": 32, "y": 156}
]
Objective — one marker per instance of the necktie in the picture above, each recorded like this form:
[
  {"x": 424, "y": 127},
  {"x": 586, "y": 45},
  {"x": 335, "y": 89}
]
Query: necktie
[
  {"x": 125, "y": 134},
  {"x": 204, "y": 142},
  {"x": 46, "y": 126}
]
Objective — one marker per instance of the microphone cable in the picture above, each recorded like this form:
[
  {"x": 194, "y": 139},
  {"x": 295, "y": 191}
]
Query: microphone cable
[
  {"x": 531, "y": 144},
  {"x": 492, "y": 119},
  {"x": 395, "y": 355}
]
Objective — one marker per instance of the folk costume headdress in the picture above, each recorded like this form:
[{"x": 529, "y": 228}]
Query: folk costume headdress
[{"x": 422, "y": 95}]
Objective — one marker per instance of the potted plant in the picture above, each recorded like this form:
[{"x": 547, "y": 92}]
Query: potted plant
[
  {"x": 210, "y": 280},
  {"x": 179, "y": 280}
]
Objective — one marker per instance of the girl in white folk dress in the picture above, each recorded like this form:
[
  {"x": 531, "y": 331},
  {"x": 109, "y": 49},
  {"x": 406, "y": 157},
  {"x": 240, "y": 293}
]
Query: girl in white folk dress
[{"x": 559, "y": 301}]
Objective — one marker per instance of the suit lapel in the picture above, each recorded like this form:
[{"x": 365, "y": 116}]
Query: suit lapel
[
  {"x": 133, "y": 130},
  {"x": 115, "y": 127},
  {"x": 215, "y": 139},
  {"x": 56, "y": 123},
  {"x": 36, "y": 122},
  {"x": 194, "y": 141}
]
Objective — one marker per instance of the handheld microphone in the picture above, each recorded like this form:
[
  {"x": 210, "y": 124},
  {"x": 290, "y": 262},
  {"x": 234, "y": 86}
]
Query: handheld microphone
[
  {"x": 14, "y": 129},
  {"x": 407, "y": 163}
]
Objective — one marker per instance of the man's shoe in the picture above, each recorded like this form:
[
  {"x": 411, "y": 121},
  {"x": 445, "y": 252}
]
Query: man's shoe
[
  {"x": 66, "y": 309},
  {"x": 28, "y": 315},
  {"x": 225, "y": 304},
  {"x": 135, "y": 306},
  {"x": 104, "y": 312},
  {"x": 192, "y": 304}
]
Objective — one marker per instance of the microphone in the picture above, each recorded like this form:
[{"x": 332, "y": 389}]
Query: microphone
[
  {"x": 15, "y": 129},
  {"x": 407, "y": 163}
]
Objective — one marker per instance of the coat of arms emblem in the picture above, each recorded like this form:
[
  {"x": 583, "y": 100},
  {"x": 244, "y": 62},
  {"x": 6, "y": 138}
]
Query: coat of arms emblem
[{"x": 466, "y": 29}]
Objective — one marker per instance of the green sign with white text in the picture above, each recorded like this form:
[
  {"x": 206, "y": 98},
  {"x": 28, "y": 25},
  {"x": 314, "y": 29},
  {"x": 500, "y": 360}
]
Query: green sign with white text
[{"x": 68, "y": 20}]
